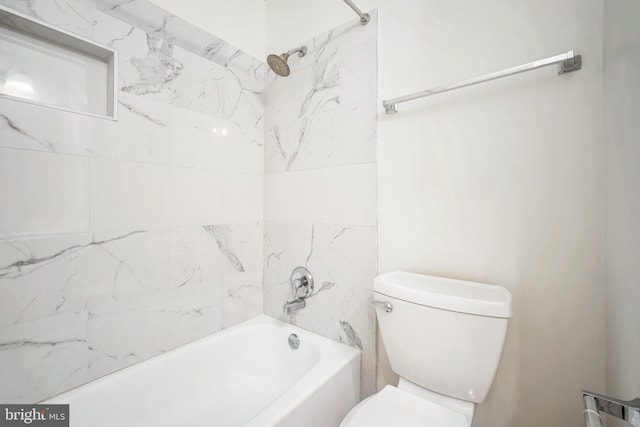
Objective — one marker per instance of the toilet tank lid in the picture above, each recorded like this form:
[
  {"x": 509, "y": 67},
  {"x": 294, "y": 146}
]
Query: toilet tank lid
[{"x": 447, "y": 294}]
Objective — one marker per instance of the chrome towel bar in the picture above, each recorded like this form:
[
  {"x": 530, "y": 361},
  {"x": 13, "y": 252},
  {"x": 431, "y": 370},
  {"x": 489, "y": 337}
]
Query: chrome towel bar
[
  {"x": 623, "y": 409},
  {"x": 567, "y": 62}
]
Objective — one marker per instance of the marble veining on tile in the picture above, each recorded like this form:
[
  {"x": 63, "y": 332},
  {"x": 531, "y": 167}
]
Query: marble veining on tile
[
  {"x": 254, "y": 68},
  {"x": 182, "y": 314},
  {"x": 31, "y": 263},
  {"x": 194, "y": 257},
  {"x": 42, "y": 358},
  {"x": 129, "y": 268},
  {"x": 142, "y": 133},
  {"x": 243, "y": 98},
  {"x": 156, "y": 70},
  {"x": 351, "y": 336},
  {"x": 320, "y": 140},
  {"x": 7, "y": 124},
  {"x": 342, "y": 261},
  {"x": 241, "y": 297},
  {"x": 76, "y": 16},
  {"x": 117, "y": 238},
  {"x": 154, "y": 20},
  {"x": 170, "y": 74},
  {"x": 142, "y": 114},
  {"x": 219, "y": 233},
  {"x": 335, "y": 42},
  {"x": 339, "y": 72},
  {"x": 44, "y": 276},
  {"x": 326, "y": 313},
  {"x": 323, "y": 93},
  {"x": 340, "y": 137}
]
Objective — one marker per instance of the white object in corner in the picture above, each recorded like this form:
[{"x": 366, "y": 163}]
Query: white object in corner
[{"x": 444, "y": 338}]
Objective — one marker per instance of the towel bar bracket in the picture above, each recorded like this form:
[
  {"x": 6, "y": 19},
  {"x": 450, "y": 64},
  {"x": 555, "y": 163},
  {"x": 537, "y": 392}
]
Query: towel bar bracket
[
  {"x": 571, "y": 64},
  {"x": 390, "y": 108}
]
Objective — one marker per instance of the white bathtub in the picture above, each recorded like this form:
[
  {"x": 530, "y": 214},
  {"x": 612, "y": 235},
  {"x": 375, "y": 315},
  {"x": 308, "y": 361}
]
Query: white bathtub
[{"x": 246, "y": 375}]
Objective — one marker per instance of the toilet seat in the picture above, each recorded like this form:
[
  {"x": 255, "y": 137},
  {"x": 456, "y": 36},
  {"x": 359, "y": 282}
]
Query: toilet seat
[{"x": 394, "y": 407}]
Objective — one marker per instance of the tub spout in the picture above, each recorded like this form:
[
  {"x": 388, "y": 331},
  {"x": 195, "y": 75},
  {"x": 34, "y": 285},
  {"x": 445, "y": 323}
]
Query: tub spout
[{"x": 295, "y": 305}]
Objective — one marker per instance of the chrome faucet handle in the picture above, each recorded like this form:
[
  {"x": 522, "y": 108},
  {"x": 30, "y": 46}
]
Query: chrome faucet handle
[
  {"x": 298, "y": 288},
  {"x": 384, "y": 305},
  {"x": 301, "y": 282}
]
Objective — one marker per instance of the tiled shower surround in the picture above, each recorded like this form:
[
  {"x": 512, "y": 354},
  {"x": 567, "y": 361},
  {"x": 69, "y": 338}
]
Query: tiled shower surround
[
  {"x": 320, "y": 187},
  {"x": 123, "y": 240}
]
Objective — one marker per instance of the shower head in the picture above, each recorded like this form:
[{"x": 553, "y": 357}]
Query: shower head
[{"x": 278, "y": 63}]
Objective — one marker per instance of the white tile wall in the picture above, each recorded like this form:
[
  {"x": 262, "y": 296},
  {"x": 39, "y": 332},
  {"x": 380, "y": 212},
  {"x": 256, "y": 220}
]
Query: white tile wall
[
  {"x": 44, "y": 357},
  {"x": 343, "y": 263},
  {"x": 320, "y": 187},
  {"x": 123, "y": 333},
  {"x": 196, "y": 196},
  {"x": 74, "y": 15},
  {"x": 243, "y": 198},
  {"x": 209, "y": 142},
  {"x": 129, "y": 195},
  {"x": 127, "y": 265},
  {"x": 42, "y": 276},
  {"x": 143, "y": 132},
  {"x": 120, "y": 240},
  {"x": 343, "y": 136},
  {"x": 43, "y": 192},
  {"x": 338, "y": 195},
  {"x": 140, "y": 235},
  {"x": 241, "y": 297}
]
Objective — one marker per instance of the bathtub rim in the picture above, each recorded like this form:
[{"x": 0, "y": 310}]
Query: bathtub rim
[{"x": 339, "y": 351}]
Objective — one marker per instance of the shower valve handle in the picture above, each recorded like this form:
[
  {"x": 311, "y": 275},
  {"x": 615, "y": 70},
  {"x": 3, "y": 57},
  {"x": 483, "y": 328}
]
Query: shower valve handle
[{"x": 301, "y": 282}]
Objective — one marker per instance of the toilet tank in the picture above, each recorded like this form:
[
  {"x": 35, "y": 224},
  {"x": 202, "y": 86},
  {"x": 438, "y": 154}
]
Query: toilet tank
[{"x": 443, "y": 334}]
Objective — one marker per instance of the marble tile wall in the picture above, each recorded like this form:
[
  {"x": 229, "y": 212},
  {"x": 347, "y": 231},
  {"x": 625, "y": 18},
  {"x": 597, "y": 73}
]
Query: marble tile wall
[
  {"x": 320, "y": 203},
  {"x": 122, "y": 240}
]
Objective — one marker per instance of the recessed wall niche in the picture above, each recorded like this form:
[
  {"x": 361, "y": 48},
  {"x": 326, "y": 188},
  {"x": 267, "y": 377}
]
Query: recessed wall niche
[{"x": 48, "y": 66}]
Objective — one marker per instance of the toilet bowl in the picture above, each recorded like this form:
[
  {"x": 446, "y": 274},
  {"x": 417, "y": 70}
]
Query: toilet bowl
[
  {"x": 444, "y": 338},
  {"x": 393, "y": 406}
]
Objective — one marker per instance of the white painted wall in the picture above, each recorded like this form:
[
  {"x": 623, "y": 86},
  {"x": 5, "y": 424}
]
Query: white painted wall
[
  {"x": 499, "y": 183},
  {"x": 622, "y": 196},
  {"x": 239, "y": 22}
]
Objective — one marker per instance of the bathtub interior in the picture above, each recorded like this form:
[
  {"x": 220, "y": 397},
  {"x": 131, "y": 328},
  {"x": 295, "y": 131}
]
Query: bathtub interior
[{"x": 230, "y": 377}]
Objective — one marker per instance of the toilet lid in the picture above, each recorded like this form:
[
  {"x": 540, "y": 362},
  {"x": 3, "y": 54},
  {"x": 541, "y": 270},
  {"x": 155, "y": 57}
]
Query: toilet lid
[{"x": 395, "y": 407}]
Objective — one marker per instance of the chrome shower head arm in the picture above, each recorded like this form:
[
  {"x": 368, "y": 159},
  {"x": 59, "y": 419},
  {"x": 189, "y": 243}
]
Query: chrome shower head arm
[{"x": 301, "y": 51}]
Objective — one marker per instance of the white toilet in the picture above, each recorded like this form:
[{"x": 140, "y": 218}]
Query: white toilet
[{"x": 444, "y": 339}]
